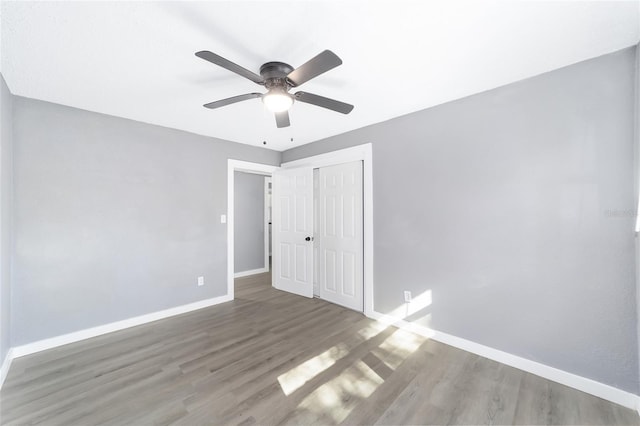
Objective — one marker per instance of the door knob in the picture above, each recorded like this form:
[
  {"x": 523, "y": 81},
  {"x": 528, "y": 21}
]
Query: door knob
[{"x": 308, "y": 239}]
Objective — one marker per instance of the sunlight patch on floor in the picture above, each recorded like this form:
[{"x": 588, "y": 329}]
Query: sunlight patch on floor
[
  {"x": 372, "y": 330},
  {"x": 295, "y": 378},
  {"x": 397, "y": 347},
  {"x": 336, "y": 398},
  {"x": 298, "y": 376}
]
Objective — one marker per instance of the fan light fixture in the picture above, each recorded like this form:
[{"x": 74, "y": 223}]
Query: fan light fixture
[
  {"x": 277, "y": 101},
  {"x": 278, "y": 78}
]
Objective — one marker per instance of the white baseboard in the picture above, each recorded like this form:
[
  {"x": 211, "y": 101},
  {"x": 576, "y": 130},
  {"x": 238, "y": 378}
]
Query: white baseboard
[
  {"x": 6, "y": 364},
  {"x": 76, "y": 336},
  {"x": 583, "y": 384},
  {"x": 250, "y": 272}
]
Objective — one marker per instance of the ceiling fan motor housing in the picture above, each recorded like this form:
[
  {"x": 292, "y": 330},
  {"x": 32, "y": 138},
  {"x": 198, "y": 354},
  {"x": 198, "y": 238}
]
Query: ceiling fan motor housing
[{"x": 275, "y": 75}]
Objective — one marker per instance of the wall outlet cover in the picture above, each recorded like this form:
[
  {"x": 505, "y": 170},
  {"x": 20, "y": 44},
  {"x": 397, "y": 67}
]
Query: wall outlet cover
[
  {"x": 407, "y": 296},
  {"x": 200, "y": 281}
]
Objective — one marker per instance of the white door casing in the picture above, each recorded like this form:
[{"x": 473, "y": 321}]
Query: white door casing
[
  {"x": 340, "y": 236},
  {"x": 232, "y": 167},
  {"x": 292, "y": 227}
]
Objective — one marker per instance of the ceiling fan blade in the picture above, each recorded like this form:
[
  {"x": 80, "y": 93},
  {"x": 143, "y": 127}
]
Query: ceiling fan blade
[
  {"x": 232, "y": 100},
  {"x": 323, "y": 102},
  {"x": 320, "y": 64},
  {"x": 225, "y": 63},
  {"x": 282, "y": 119}
]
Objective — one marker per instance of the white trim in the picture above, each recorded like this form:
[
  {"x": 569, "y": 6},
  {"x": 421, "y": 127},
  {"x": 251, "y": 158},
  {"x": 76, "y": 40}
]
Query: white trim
[
  {"x": 88, "y": 333},
  {"x": 332, "y": 158},
  {"x": 6, "y": 364},
  {"x": 238, "y": 166},
  {"x": 267, "y": 254},
  {"x": 250, "y": 272},
  {"x": 362, "y": 153},
  {"x": 583, "y": 384}
]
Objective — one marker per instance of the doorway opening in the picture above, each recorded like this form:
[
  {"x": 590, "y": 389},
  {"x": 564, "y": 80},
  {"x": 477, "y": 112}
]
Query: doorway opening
[
  {"x": 252, "y": 219},
  {"x": 253, "y": 182}
]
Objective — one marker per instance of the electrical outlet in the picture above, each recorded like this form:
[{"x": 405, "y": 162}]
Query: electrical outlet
[
  {"x": 223, "y": 218},
  {"x": 407, "y": 296},
  {"x": 200, "y": 281}
]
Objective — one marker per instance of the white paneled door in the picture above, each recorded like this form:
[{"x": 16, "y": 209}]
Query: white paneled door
[
  {"x": 340, "y": 235},
  {"x": 292, "y": 227}
]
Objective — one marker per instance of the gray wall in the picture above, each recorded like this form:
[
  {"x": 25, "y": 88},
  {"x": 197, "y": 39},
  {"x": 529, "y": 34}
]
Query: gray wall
[
  {"x": 249, "y": 222},
  {"x": 6, "y": 159},
  {"x": 513, "y": 208},
  {"x": 637, "y": 190},
  {"x": 113, "y": 218}
]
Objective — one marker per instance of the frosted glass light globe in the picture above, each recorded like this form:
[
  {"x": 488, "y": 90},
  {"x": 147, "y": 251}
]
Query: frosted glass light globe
[{"x": 277, "y": 101}]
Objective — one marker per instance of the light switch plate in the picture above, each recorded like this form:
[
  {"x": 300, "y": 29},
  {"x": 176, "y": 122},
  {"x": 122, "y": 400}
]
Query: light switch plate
[{"x": 223, "y": 218}]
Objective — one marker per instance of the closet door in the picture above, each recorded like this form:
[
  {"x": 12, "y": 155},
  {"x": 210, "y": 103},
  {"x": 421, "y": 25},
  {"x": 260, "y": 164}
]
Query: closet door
[
  {"x": 292, "y": 225},
  {"x": 340, "y": 237}
]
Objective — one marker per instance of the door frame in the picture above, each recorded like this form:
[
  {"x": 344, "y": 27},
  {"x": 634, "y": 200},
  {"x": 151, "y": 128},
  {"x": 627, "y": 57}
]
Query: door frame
[
  {"x": 267, "y": 222},
  {"x": 232, "y": 167},
  {"x": 356, "y": 153}
]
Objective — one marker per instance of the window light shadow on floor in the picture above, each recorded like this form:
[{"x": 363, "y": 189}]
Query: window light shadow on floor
[
  {"x": 298, "y": 376},
  {"x": 353, "y": 382}
]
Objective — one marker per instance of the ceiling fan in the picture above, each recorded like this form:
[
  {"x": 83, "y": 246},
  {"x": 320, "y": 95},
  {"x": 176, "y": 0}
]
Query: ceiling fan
[{"x": 279, "y": 78}]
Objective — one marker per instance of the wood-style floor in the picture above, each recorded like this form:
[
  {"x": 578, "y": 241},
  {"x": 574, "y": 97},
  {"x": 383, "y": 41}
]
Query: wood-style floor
[{"x": 274, "y": 358}]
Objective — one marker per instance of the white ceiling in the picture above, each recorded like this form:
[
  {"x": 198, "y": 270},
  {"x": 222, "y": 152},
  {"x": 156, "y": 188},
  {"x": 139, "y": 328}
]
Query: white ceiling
[{"x": 136, "y": 59}]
